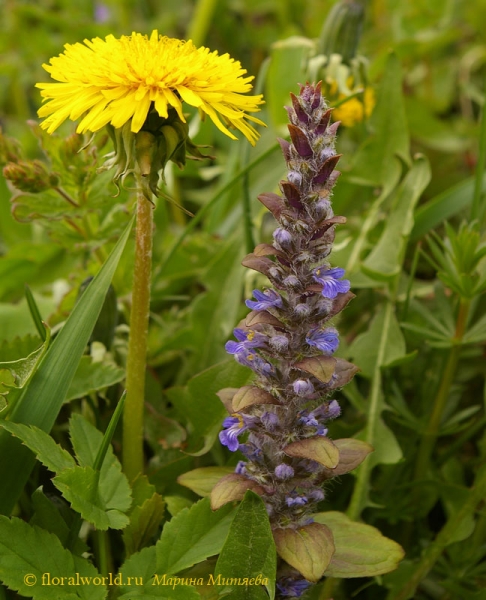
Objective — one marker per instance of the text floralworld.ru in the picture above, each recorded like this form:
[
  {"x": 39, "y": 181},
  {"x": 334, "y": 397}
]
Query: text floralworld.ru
[{"x": 47, "y": 579}]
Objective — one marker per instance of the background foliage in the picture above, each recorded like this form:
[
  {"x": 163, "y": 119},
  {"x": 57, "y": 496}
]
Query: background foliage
[{"x": 410, "y": 190}]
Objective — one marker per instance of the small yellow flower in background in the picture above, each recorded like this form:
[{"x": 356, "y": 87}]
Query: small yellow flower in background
[
  {"x": 114, "y": 81},
  {"x": 355, "y": 109}
]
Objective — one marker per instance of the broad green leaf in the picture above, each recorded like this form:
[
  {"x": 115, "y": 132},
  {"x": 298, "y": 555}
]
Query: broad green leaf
[
  {"x": 144, "y": 524},
  {"x": 387, "y": 451},
  {"x": 141, "y": 567},
  {"x": 288, "y": 64},
  {"x": 192, "y": 536},
  {"x": 443, "y": 206},
  {"x": 50, "y": 454},
  {"x": 27, "y": 550},
  {"x": 198, "y": 402},
  {"x": 385, "y": 260},
  {"x": 176, "y": 503},
  {"x": 381, "y": 345},
  {"x": 92, "y": 376},
  {"x": 81, "y": 486},
  {"x": 308, "y": 549},
  {"x": 201, "y": 481},
  {"x": 214, "y": 313},
  {"x": 377, "y": 162},
  {"x": 42, "y": 399},
  {"x": 361, "y": 550},
  {"x": 249, "y": 550}
]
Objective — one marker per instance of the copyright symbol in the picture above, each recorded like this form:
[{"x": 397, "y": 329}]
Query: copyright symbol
[{"x": 30, "y": 579}]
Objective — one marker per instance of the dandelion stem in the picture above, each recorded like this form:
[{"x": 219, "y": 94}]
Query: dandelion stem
[
  {"x": 137, "y": 343},
  {"x": 432, "y": 430}
]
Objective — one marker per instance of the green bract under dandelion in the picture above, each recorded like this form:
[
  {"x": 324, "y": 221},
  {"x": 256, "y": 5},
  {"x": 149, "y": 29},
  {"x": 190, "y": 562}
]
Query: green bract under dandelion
[{"x": 113, "y": 81}]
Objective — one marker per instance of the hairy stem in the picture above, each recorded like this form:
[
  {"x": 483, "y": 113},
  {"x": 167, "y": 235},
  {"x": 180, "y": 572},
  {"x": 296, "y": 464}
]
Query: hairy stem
[{"x": 137, "y": 343}]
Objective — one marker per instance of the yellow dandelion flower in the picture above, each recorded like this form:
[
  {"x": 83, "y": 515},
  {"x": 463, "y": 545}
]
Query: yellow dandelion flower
[
  {"x": 112, "y": 81},
  {"x": 355, "y": 109}
]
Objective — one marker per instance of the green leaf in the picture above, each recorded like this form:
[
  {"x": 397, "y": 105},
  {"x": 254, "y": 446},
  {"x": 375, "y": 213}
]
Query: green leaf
[
  {"x": 93, "y": 376},
  {"x": 141, "y": 568},
  {"x": 192, "y": 536},
  {"x": 249, "y": 550},
  {"x": 288, "y": 64},
  {"x": 176, "y": 503},
  {"x": 385, "y": 260},
  {"x": 113, "y": 487},
  {"x": 144, "y": 524},
  {"x": 383, "y": 333},
  {"x": 199, "y": 404},
  {"x": 21, "y": 370},
  {"x": 215, "y": 312},
  {"x": 377, "y": 162},
  {"x": 361, "y": 550},
  {"x": 82, "y": 488},
  {"x": 27, "y": 550},
  {"x": 201, "y": 481},
  {"x": 42, "y": 399},
  {"x": 54, "y": 515},
  {"x": 50, "y": 454},
  {"x": 442, "y": 207}
]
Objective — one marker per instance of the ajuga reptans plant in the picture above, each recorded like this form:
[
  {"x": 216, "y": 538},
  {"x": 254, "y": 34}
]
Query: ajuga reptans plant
[{"x": 279, "y": 422}]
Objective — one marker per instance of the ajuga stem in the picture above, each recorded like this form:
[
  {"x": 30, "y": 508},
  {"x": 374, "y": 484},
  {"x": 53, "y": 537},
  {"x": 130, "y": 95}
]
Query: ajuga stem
[{"x": 137, "y": 343}]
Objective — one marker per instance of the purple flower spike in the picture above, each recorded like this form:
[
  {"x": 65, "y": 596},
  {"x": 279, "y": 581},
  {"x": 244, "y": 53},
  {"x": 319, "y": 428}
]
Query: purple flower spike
[
  {"x": 329, "y": 278},
  {"x": 255, "y": 362},
  {"x": 284, "y": 471},
  {"x": 292, "y": 588},
  {"x": 326, "y": 340},
  {"x": 267, "y": 299}
]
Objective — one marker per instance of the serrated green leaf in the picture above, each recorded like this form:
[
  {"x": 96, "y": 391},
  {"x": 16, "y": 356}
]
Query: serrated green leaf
[
  {"x": 201, "y": 481},
  {"x": 49, "y": 453},
  {"x": 177, "y": 503},
  {"x": 93, "y": 376},
  {"x": 27, "y": 550},
  {"x": 82, "y": 488},
  {"x": 141, "y": 568},
  {"x": 43, "y": 397},
  {"x": 249, "y": 550},
  {"x": 192, "y": 536},
  {"x": 361, "y": 550},
  {"x": 113, "y": 487}
]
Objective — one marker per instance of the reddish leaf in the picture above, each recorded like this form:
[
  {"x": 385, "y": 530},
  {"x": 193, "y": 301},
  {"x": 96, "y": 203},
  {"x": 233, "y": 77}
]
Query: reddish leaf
[
  {"x": 319, "y": 448},
  {"x": 321, "y": 367},
  {"x": 250, "y": 395},
  {"x": 232, "y": 487},
  {"x": 300, "y": 141}
]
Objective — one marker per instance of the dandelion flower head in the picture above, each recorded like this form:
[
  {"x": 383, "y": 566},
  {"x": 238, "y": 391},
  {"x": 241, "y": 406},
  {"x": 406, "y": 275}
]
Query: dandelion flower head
[{"x": 115, "y": 80}]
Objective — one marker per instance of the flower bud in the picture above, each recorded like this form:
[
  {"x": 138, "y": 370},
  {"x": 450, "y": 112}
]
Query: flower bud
[
  {"x": 30, "y": 176},
  {"x": 279, "y": 342},
  {"x": 291, "y": 281},
  {"x": 303, "y": 387},
  {"x": 282, "y": 237},
  {"x": 284, "y": 471}
]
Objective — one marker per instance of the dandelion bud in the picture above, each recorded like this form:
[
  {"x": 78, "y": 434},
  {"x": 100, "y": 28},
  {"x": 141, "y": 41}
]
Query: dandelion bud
[{"x": 30, "y": 176}]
